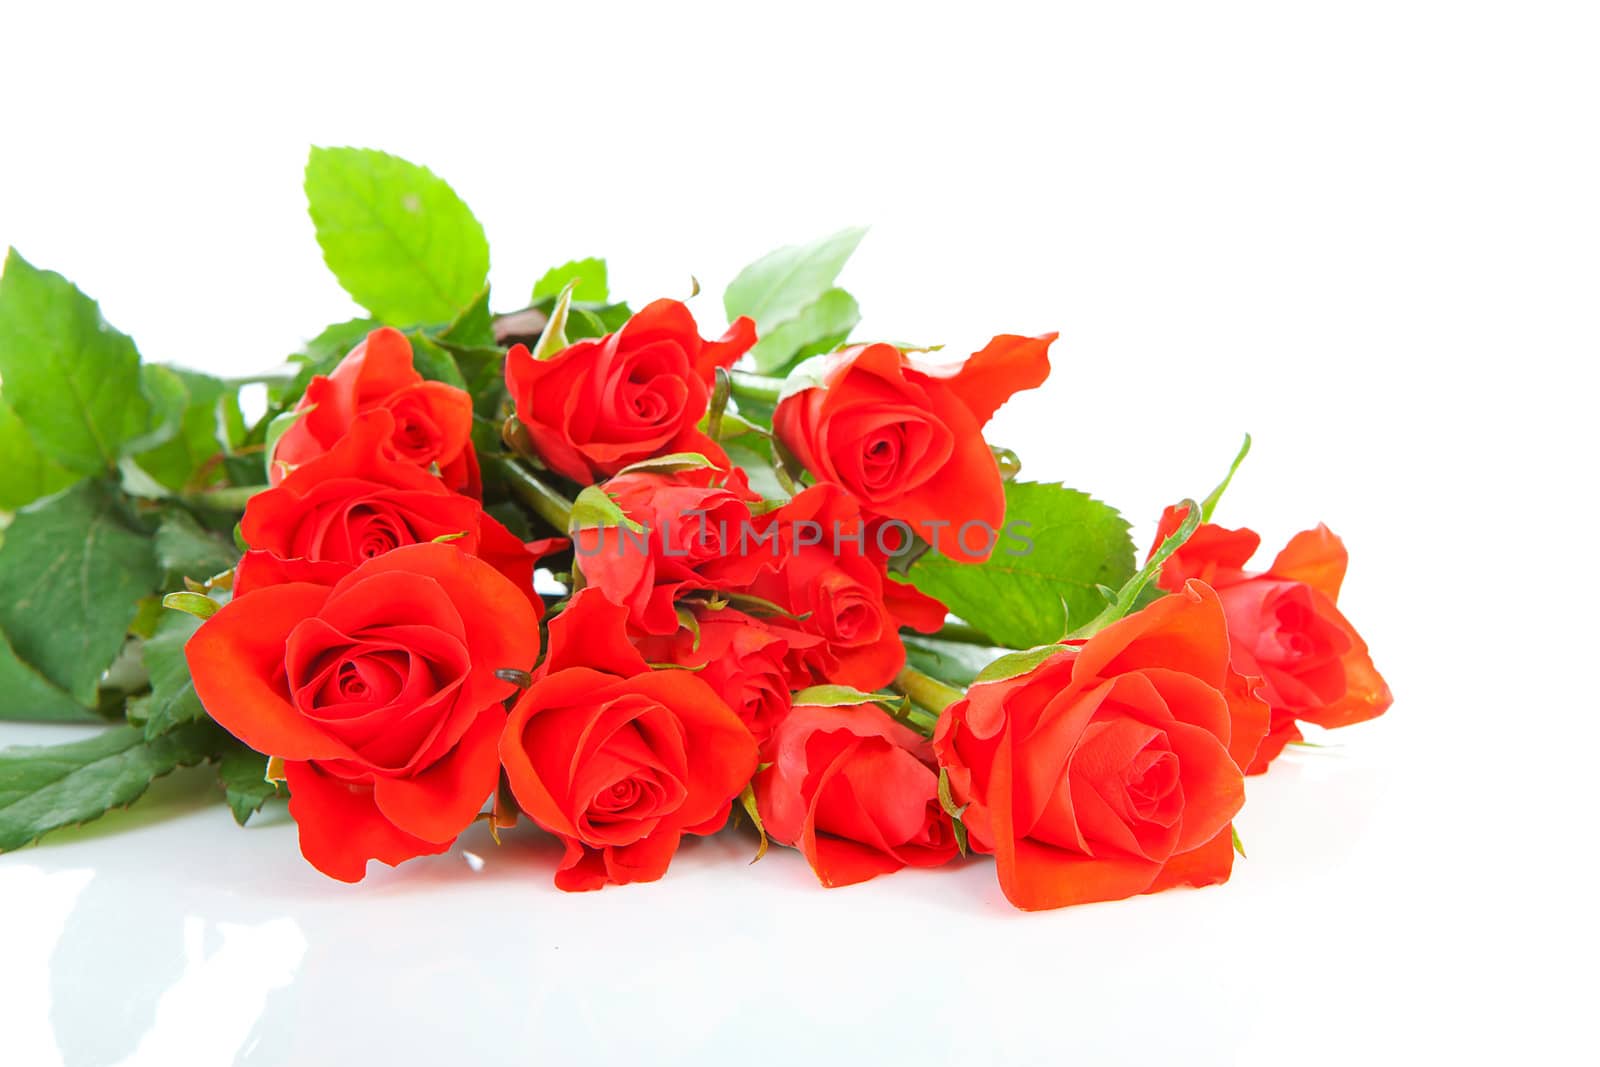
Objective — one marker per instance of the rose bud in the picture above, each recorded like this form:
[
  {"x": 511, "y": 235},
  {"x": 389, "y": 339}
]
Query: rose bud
[
  {"x": 905, "y": 437},
  {"x": 1110, "y": 768},
  {"x": 601, "y": 404},
  {"x": 833, "y": 587},
  {"x": 432, "y": 424},
  {"x": 618, "y": 760},
  {"x": 1284, "y": 626},
  {"x": 378, "y": 692},
  {"x": 357, "y": 502},
  {"x": 690, "y": 542},
  {"x": 741, "y": 658},
  {"x": 856, "y": 792}
]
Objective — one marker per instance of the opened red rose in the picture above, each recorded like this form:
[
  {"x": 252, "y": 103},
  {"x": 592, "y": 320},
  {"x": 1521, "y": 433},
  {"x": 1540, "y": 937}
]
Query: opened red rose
[
  {"x": 603, "y": 403},
  {"x": 618, "y": 760},
  {"x": 833, "y": 585},
  {"x": 1112, "y": 768},
  {"x": 357, "y": 502},
  {"x": 378, "y": 692},
  {"x": 856, "y": 792},
  {"x": 742, "y": 658},
  {"x": 688, "y": 540},
  {"x": 1284, "y": 626},
  {"x": 905, "y": 436},
  {"x": 432, "y": 421}
]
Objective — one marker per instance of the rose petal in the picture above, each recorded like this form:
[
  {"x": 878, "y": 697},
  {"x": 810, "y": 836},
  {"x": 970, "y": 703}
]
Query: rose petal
[
  {"x": 341, "y": 827},
  {"x": 1213, "y": 787},
  {"x": 1186, "y": 631},
  {"x": 1210, "y": 864},
  {"x": 439, "y": 803},
  {"x": 1002, "y": 368},
  {"x": 1315, "y": 557},
  {"x": 235, "y": 658}
]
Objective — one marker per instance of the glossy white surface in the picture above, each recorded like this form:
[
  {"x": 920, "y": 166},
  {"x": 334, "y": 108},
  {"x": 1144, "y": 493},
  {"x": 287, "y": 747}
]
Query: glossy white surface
[
  {"x": 169, "y": 936},
  {"x": 1366, "y": 234}
]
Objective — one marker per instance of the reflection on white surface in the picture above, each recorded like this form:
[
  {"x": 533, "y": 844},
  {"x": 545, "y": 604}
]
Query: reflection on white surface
[
  {"x": 195, "y": 943},
  {"x": 100, "y": 972},
  {"x": 34, "y": 906},
  {"x": 206, "y": 1016},
  {"x": 251, "y": 957}
]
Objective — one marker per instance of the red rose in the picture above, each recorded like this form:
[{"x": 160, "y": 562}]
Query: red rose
[
  {"x": 742, "y": 659},
  {"x": 834, "y": 585},
  {"x": 432, "y": 424},
  {"x": 906, "y": 437},
  {"x": 1112, "y": 768},
  {"x": 856, "y": 792},
  {"x": 378, "y": 692},
  {"x": 355, "y": 503},
  {"x": 1284, "y": 626},
  {"x": 691, "y": 522},
  {"x": 599, "y": 405},
  {"x": 616, "y": 759}
]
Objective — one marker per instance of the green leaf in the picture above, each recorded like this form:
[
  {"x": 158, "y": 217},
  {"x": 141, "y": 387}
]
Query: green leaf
[
  {"x": 747, "y": 800},
  {"x": 667, "y": 463},
  {"x": 243, "y": 774},
  {"x": 1040, "y": 575},
  {"x": 484, "y": 371},
  {"x": 612, "y": 316},
  {"x": 147, "y": 617},
  {"x": 757, "y": 466},
  {"x": 1131, "y": 596},
  {"x": 196, "y": 442},
  {"x": 70, "y": 378},
  {"x": 1209, "y": 504},
  {"x": 473, "y": 327},
  {"x": 166, "y": 396},
  {"x": 1147, "y": 596},
  {"x": 583, "y": 324},
  {"x": 820, "y": 326},
  {"x": 335, "y": 341},
  {"x": 587, "y": 319},
  {"x": 594, "y": 507},
  {"x": 47, "y": 787},
  {"x": 554, "y": 336},
  {"x": 185, "y": 549},
  {"x": 71, "y": 575},
  {"x": 26, "y": 473},
  {"x": 27, "y": 694},
  {"x": 173, "y": 701},
  {"x": 947, "y": 801},
  {"x": 191, "y": 603},
  {"x": 589, "y": 274},
  {"x": 952, "y": 662},
  {"x": 397, "y": 237},
  {"x": 779, "y": 285},
  {"x": 433, "y": 362},
  {"x": 841, "y": 696},
  {"x": 279, "y": 426},
  {"x": 1015, "y": 663}
]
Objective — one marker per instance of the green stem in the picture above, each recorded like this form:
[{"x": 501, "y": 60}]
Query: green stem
[
  {"x": 232, "y": 498},
  {"x": 546, "y": 503},
  {"x": 918, "y": 718},
  {"x": 759, "y": 387},
  {"x": 929, "y": 693},
  {"x": 964, "y": 634}
]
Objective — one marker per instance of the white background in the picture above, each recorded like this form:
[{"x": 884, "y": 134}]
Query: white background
[{"x": 1369, "y": 233}]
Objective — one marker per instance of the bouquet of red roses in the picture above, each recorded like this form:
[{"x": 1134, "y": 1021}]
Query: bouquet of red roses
[{"x": 577, "y": 563}]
